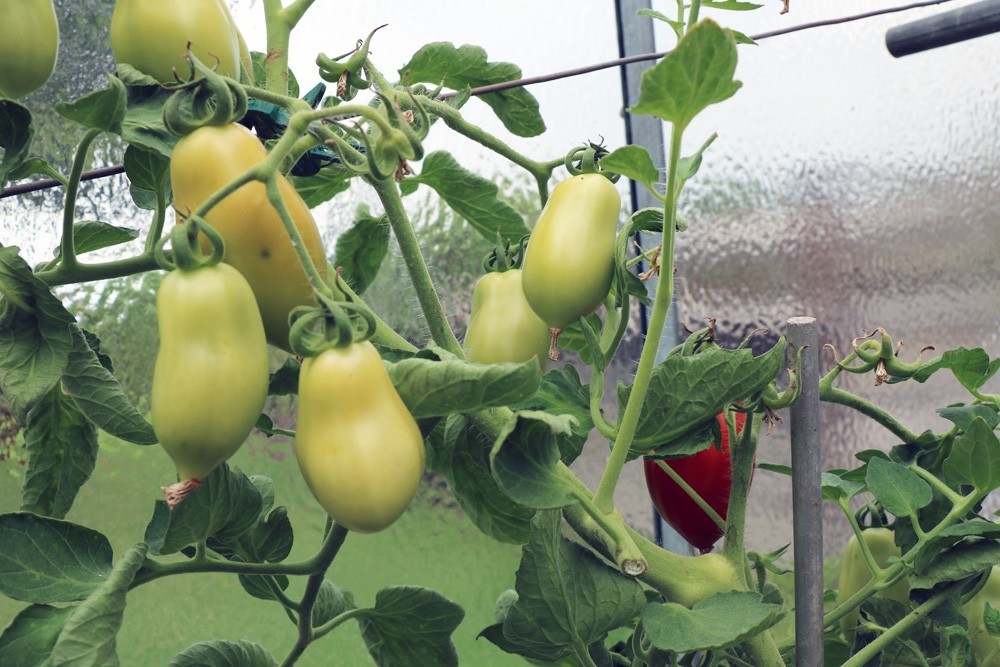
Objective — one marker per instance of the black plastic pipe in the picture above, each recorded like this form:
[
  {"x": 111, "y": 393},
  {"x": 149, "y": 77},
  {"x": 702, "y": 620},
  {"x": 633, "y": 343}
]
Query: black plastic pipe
[{"x": 957, "y": 25}]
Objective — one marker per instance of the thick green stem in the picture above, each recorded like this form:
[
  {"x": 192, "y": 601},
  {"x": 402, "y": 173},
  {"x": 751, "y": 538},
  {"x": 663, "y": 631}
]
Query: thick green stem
[
  {"x": 604, "y": 498},
  {"x": 427, "y": 296},
  {"x": 159, "y": 216},
  {"x": 742, "y": 453},
  {"x": 67, "y": 249},
  {"x": 81, "y": 273},
  {"x": 604, "y": 426},
  {"x": 331, "y": 546},
  {"x": 280, "y": 22},
  {"x": 336, "y": 622},
  {"x": 274, "y": 195},
  {"x": 832, "y": 394}
]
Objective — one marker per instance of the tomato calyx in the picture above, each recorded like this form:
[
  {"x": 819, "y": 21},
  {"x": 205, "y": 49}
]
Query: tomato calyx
[
  {"x": 348, "y": 74},
  {"x": 204, "y": 98},
  {"x": 186, "y": 251},
  {"x": 332, "y": 324}
]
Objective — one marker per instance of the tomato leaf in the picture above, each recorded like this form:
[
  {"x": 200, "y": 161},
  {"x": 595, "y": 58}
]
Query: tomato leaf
[
  {"x": 952, "y": 535},
  {"x": 525, "y": 459},
  {"x": 102, "y": 110},
  {"x": 16, "y": 133},
  {"x": 972, "y": 367},
  {"x": 697, "y": 73},
  {"x": 28, "y": 640},
  {"x": 567, "y": 599},
  {"x": 468, "y": 66},
  {"x": 472, "y": 197},
  {"x": 322, "y": 186},
  {"x": 226, "y": 506},
  {"x": 965, "y": 559},
  {"x": 48, "y": 560},
  {"x": 147, "y": 173},
  {"x": 723, "y": 620},
  {"x": 562, "y": 393},
  {"x": 411, "y": 626},
  {"x": 436, "y": 388},
  {"x": 975, "y": 458},
  {"x": 632, "y": 162},
  {"x": 143, "y": 125},
  {"x": 88, "y": 637},
  {"x": 331, "y": 602},
  {"x": 93, "y": 235},
  {"x": 461, "y": 454},
  {"x": 99, "y": 396},
  {"x": 963, "y": 415},
  {"x": 361, "y": 249},
  {"x": 62, "y": 452},
  {"x": 221, "y": 653},
  {"x": 899, "y": 490},
  {"x": 35, "y": 337}
]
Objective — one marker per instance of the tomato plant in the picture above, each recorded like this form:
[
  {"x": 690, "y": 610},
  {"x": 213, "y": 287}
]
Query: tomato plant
[
  {"x": 29, "y": 45},
  {"x": 373, "y": 411},
  {"x": 708, "y": 474}
]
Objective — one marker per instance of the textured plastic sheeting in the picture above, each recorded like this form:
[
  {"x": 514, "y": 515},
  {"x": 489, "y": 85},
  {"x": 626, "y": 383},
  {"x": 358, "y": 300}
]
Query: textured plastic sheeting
[{"x": 858, "y": 189}]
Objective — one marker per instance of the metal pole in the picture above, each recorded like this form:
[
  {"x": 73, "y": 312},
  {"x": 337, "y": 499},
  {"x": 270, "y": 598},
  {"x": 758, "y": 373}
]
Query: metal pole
[
  {"x": 807, "y": 497},
  {"x": 635, "y": 36},
  {"x": 957, "y": 25}
]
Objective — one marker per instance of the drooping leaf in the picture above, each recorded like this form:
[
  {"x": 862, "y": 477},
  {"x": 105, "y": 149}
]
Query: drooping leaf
[
  {"x": 101, "y": 110},
  {"x": 410, "y": 626},
  {"x": 88, "y": 637},
  {"x": 899, "y": 490},
  {"x": 562, "y": 393},
  {"x": 221, "y": 653},
  {"x": 331, "y": 601},
  {"x": 963, "y": 560},
  {"x": 28, "y": 640},
  {"x": 16, "y": 133},
  {"x": 323, "y": 186},
  {"x": 62, "y": 453},
  {"x": 48, "y": 560},
  {"x": 472, "y": 197},
  {"x": 362, "y": 248},
  {"x": 467, "y": 66},
  {"x": 526, "y": 460},
  {"x": 93, "y": 235},
  {"x": 723, "y": 620},
  {"x": 147, "y": 173},
  {"x": 975, "y": 458}
]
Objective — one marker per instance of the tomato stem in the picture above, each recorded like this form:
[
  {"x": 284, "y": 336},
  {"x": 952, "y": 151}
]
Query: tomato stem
[{"x": 68, "y": 249}]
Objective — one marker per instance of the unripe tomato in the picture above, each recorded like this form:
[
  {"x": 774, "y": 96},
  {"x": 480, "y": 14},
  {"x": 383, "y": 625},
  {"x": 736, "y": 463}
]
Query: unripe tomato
[
  {"x": 569, "y": 262},
  {"x": 211, "y": 373},
  {"x": 29, "y": 44},
  {"x": 983, "y": 644},
  {"x": 256, "y": 241},
  {"x": 503, "y": 327},
  {"x": 709, "y": 473},
  {"x": 358, "y": 447},
  {"x": 152, "y": 36},
  {"x": 855, "y": 574}
]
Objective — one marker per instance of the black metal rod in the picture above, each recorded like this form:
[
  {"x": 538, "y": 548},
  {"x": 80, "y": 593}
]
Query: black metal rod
[{"x": 957, "y": 25}]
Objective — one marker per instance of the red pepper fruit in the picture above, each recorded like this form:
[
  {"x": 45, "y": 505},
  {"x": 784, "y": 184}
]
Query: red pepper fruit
[{"x": 709, "y": 473}]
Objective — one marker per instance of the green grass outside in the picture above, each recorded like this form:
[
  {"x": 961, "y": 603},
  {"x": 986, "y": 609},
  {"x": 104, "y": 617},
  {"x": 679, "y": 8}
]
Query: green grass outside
[{"x": 432, "y": 545}]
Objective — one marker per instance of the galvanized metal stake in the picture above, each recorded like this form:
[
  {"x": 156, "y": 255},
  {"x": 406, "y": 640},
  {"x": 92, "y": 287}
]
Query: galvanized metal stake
[{"x": 807, "y": 497}]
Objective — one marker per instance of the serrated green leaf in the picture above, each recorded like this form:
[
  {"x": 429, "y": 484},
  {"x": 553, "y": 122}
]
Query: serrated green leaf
[
  {"x": 961, "y": 561},
  {"x": 88, "y": 636},
  {"x": 525, "y": 459},
  {"x": 93, "y": 235},
  {"x": 226, "y": 506},
  {"x": 411, "y": 626},
  {"x": 697, "y": 73},
  {"x": 102, "y": 110},
  {"x": 62, "y": 452},
  {"x": 972, "y": 367},
  {"x": 975, "y": 458},
  {"x": 362, "y": 248},
  {"x": 436, "y": 388},
  {"x": 567, "y": 599},
  {"x": 143, "y": 125},
  {"x": 99, "y": 396},
  {"x": 899, "y": 490},
  {"x": 472, "y": 197},
  {"x": 323, "y": 186},
  {"x": 723, "y": 620},
  {"x": 47, "y": 560},
  {"x": 35, "y": 338},
  {"x": 28, "y": 640},
  {"x": 952, "y": 535},
  {"x": 221, "y": 653},
  {"x": 467, "y": 66},
  {"x": 16, "y": 134},
  {"x": 147, "y": 173}
]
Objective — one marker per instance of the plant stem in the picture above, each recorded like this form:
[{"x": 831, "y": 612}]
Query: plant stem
[
  {"x": 664, "y": 294},
  {"x": 62, "y": 275},
  {"x": 743, "y": 453},
  {"x": 67, "y": 248},
  {"x": 280, "y": 22},
  {"x": 831, "y": 394},
  {"x": 274, "y": 195},
  {"x": 323, "y": 560},
  {"x": 604, "y": 426},
  {"x": 427, "y": 296},
  {"x": 336, "y": 622},
  {"x": 916, "y": 616}
]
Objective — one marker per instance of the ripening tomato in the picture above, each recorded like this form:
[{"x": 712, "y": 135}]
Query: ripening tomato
[
  {"x": 152, "y": 36},
  {"x": 709, "y": 473},
  {"x": 855, "y": 573},
  {"x": 503, "y": 327},
  {"x": 211, "y": 373},
  {"x": 29, "y": 45},
  {"x": 256, "y": 241},
  {"x": 359, "y": 448},
  {"x": 570, "y": 258}
]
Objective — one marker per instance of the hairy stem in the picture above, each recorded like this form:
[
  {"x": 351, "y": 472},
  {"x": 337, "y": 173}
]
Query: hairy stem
[{"x": 67, "y": 248}]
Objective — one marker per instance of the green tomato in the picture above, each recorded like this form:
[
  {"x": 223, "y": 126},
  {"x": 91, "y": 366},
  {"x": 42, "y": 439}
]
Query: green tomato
[
  {"x": 855, "y": 574},
  {"x": 211, "y": 373},
  {"x": 256, "y": 241},
  {"x": 29, "y": 44},
  {"x": 152, "y": 36},
  {"x": 359, "y": 449},
  {"x": 570, "y": 258},
  {"x": 985, "y": 646},
  {"x": 503, "y": 327}
]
